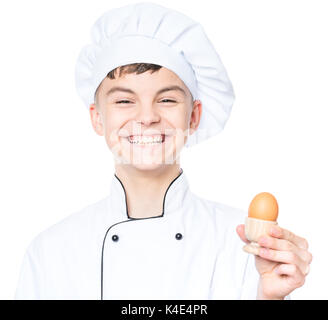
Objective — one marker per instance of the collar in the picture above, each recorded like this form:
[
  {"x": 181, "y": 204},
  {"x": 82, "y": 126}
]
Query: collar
[{"x": 173, "y": 198}]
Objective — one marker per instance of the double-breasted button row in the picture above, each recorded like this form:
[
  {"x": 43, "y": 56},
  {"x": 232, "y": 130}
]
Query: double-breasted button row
[{"x": 115, "y": 237}]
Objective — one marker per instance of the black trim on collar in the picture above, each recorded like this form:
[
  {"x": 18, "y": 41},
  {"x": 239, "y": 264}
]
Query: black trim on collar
[{"x": 126, "y": 204}]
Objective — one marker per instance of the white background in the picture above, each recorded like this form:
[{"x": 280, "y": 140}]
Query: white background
[{"x": 52, "y": 162}]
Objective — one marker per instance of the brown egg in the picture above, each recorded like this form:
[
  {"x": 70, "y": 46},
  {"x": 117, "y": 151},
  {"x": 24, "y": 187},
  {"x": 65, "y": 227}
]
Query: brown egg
[{"x": 264, "y": 206}]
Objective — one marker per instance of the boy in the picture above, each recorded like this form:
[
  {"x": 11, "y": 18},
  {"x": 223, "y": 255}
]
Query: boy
[{"x": 151, "y": 89}]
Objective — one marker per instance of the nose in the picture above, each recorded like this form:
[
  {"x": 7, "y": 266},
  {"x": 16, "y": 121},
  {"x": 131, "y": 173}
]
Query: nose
[{"x": 147, "y": 114}]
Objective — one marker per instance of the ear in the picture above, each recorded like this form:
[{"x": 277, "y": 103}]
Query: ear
[
  {"x": 96, "y": 119},
  {"x": 195, "y": 116}
]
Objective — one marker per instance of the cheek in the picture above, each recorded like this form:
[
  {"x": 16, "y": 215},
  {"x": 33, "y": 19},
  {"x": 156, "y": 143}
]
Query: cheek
[
  {"x": 112, "y": 124},
  {"x": 179, "y": 122},
  {"x": 179, "y": 119}
]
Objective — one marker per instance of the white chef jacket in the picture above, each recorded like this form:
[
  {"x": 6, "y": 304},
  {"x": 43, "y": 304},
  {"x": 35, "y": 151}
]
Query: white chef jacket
[{"x": 191, "y": 251}]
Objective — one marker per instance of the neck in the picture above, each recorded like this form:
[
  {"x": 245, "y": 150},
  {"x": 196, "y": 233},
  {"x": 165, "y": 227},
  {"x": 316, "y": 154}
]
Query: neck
[{"x": 145, "y": 189}]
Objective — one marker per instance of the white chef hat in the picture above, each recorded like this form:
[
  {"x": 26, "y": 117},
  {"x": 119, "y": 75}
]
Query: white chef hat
[{"x": 150, "y": 33}]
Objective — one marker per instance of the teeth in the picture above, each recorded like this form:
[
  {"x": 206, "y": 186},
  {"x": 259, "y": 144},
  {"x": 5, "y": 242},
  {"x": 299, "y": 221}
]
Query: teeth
[{"x": 145, "y": 139}]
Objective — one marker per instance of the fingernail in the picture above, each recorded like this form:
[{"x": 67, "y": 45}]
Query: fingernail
[
  {"x": 264, "y": 251},
  {"x": 276, "y": 270},
  {"x": 274, "y": 231},
  {"x": 263, "y": 240}
]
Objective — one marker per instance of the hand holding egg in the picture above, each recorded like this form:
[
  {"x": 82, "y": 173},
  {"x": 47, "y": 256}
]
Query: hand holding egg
[
  {"x": 281, "y": 257},
  {"x": 262, "y": 214}
]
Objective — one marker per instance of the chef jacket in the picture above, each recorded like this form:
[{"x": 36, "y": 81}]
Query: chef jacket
[{"x": 190, "y": 251}]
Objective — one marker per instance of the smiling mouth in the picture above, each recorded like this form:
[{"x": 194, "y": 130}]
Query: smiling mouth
[{"x": 147, "y": 140}]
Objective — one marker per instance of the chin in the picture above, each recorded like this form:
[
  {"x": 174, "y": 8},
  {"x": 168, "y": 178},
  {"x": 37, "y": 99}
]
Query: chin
[
  {"x": 147, "y": 167},
  {"x": 151, "y": 164}
]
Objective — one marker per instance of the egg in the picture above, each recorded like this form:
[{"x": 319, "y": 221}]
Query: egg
[{"x": 264, "y": 206}]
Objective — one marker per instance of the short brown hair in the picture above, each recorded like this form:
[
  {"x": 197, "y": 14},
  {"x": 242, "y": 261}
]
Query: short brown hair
[{"x": 131, "y": 68}]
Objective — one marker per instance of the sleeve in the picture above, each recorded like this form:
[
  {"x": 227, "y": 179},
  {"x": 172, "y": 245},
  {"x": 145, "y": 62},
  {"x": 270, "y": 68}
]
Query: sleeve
[{"x": 29, "y": 285}]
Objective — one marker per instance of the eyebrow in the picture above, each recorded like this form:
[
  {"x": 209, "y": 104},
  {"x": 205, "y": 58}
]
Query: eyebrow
[{"x": 175, "y": 87}]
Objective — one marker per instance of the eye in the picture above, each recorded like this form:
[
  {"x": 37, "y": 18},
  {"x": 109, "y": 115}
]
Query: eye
[
  {"x": 167, "y": 100},
  {"x": 123, "y": 101}
]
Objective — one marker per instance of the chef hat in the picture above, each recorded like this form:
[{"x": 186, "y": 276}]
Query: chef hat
[{"x": 150, "y": 33}]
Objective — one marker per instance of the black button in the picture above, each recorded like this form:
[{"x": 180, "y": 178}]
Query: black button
[
  {"x": 178, "y": 236},
  {"x": 115, "y": 237}
]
